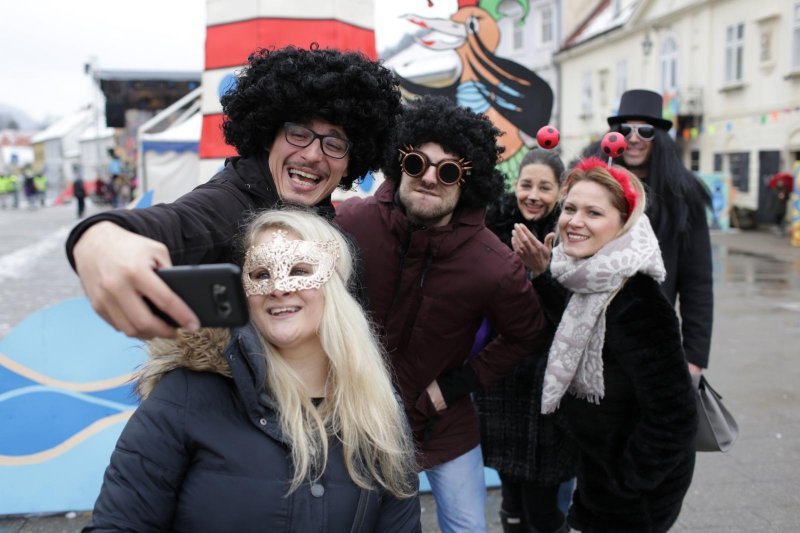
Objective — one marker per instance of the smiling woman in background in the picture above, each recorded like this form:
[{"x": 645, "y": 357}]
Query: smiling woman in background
[
  {"x": 289, "y": 423},
  {"x": 616, "y": 366},
  {"x": 531, "y": 453}
]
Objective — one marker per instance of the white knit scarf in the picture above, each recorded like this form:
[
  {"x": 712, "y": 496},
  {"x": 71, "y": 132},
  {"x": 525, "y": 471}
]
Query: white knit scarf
[{"x": 575, "y": 361}]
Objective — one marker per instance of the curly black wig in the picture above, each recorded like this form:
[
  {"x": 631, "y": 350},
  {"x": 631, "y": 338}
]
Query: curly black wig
[
  {"x": 459, "y": 131},
  {"x": 296, "y": 85}
]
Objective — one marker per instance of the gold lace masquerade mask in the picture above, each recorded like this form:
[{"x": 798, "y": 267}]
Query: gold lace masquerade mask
[{"x": 288, "y": 265}]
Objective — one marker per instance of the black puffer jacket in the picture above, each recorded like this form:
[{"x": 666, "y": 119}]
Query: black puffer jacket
[
  {"x": 204, "y": 452},
  {"x": 199, "y": 226},
  {"x": 516, "y": 439}
]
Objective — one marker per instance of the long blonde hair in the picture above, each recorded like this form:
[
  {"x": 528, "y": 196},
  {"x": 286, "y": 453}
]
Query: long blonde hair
[{"x": 360, "y": 408}]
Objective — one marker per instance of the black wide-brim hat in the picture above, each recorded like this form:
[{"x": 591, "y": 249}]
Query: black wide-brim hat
[{"x": 641, "y": 104}]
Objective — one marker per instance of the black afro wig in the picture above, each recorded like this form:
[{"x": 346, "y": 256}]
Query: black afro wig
[
  {"x": 296, "y": 85},
  {"x": 459, "y": 131}
]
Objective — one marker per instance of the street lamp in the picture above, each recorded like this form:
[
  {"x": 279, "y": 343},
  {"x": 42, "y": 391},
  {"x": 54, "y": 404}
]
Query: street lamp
[{"x": 647, "y": 44}]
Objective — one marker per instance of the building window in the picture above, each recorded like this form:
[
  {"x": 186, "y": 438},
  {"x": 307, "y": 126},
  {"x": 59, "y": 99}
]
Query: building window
[
  {"x": 519, "y": 36},
  {"x": 547, "y": 25},
  {"x": 734, "y": 53},
  {"x": 796, "y": 36},
  {"x": 622, "y": 77},
  {"x": 586, "y": 94},
  {"x": 765, "y": 50},
  {"x": 694, "y": 161},
  {"x": 669, "y": 65}
]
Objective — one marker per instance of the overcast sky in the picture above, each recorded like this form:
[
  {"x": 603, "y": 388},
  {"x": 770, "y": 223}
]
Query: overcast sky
[{"x": 44, "y": 44}]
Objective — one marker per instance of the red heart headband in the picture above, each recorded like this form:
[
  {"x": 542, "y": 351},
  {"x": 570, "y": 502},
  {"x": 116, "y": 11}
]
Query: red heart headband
[{"x": 621, "y": 176}]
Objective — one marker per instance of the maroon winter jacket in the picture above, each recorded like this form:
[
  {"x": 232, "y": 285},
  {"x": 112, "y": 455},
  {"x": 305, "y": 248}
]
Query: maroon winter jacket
[{"x": 429, "y": 289}]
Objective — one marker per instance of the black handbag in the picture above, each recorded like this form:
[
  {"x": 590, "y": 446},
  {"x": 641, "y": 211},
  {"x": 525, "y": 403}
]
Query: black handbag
[{"x": 717, "y": 430}]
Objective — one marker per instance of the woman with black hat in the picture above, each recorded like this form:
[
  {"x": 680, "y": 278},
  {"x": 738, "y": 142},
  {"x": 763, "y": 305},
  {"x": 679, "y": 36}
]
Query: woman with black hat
[{"x": 676, "y": 207}]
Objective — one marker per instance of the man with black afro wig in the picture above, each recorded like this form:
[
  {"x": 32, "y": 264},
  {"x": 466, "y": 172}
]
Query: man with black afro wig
[
  {"x": 303, "y": 123},
  {"x": 434, "y": 271}
]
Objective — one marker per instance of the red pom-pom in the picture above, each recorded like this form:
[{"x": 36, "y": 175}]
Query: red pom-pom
[
  {"x": 547, "y": 137},
  {"x": 613, "y": 144}
]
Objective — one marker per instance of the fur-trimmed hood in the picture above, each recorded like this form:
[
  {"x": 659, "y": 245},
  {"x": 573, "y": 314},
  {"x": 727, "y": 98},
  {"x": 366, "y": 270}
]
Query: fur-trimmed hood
[{"x": 202, "y": 351}]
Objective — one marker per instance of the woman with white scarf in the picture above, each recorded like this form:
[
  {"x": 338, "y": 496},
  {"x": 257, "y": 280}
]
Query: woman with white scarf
[{"x": 616, "y": 366}]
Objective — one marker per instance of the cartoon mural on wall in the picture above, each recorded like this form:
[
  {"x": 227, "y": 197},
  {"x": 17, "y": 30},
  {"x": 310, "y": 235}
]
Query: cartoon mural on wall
[{"x": 515, "y": 98}]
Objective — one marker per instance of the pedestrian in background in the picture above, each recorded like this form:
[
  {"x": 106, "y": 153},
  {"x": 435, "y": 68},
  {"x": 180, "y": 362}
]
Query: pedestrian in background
[
  {"x": 616, "y": 367},
  {"x": 114, "y": 176},
  {"x": 531, "y": 452},
  {"x": 79, "y": 192},
  {"x": 29, "y": 188},
  {"x": 780, "y": 201},
  {"x": 677, "y": 208},
  {"x": 287, "y": 423},
  {"x": 40, "y": 184}
]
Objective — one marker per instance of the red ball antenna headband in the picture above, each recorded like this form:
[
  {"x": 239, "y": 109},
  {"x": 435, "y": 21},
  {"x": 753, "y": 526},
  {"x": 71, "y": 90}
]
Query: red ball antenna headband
[
  {"x": 547, "y": 137},
  {"x": 621, "y": 176}
]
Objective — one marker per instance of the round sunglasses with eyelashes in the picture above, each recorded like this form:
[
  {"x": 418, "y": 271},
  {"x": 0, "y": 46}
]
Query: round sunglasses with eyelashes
[
  {"x": 448, "y": 171},
  {"x": 645, "y": 132}
]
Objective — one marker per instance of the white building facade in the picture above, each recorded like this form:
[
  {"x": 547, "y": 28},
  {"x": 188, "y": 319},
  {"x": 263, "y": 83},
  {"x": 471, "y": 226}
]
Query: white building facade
[{"x": 729, "y": 71}]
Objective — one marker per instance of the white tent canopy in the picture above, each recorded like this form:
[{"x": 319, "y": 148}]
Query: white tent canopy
[{"x": 168, "y": 159}]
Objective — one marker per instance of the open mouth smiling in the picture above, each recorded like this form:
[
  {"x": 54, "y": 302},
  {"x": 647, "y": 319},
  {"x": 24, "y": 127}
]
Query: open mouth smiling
[{"x": 281, "y": 311}]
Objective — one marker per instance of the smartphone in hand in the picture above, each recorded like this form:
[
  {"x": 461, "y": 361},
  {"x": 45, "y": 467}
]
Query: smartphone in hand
[{"x": 214, "y": 292}]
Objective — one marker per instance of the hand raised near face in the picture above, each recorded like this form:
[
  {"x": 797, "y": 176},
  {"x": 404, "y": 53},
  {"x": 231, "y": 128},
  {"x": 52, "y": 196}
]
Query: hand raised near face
[{"x": 533, "y": 252}]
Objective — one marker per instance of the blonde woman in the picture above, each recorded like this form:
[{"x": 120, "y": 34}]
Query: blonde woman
[
  {"x": 616, "y": 367},
  {"x": 287, "y": 424}
]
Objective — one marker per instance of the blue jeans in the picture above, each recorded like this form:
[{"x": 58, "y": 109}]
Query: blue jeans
[{"x": 460, "y": 493}]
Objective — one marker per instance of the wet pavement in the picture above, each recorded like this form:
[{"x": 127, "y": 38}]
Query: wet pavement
[{"x": 754, "y": 365}]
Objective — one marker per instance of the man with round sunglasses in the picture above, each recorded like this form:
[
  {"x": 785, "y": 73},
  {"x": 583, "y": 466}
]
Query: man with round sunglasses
[
  {"x": 295, "y": 147},
  {"x": 434, "y": 271},
  {"x": 676, "y": 207}
]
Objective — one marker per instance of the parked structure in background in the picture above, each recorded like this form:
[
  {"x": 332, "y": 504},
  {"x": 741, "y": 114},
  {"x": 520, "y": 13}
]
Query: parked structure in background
[
  {"x": 56, "y": 148},
  {"x": 729, "y": 71}
]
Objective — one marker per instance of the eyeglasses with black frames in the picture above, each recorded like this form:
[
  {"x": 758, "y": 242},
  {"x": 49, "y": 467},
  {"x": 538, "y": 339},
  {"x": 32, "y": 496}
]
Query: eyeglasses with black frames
[
  {"x": 448, "y": 171},
  {"x": 300, "y": 136},
  {"x": 645, "y": 132}
]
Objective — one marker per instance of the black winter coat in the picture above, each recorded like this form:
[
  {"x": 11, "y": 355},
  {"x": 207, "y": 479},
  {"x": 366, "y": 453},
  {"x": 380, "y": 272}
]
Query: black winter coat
[
  {"x": 199, "y": 226},
  {"x": 687, "y": 258},
  {"x": 516, "y": 439},
  {"x": 637, "y": 444},
  {"x": 204, "y": 452}
]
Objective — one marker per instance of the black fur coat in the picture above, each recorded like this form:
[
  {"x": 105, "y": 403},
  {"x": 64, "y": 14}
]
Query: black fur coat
[{"x": 637, "y": 444}]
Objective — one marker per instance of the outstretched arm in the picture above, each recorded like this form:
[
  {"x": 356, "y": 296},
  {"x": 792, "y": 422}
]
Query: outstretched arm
[{"x": 116, "y": 268}]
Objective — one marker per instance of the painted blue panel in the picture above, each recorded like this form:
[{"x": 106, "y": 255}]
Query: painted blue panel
[
  {"x": 38, "y": 419},
  {"x": 69, "y": 342},
  {"x": 10, "y": 380},
  {"x": 69, "y": 482},
  {"x": 146, "y": 200},
  {"x": 161, "y": 147},
  {"x": 124, "y": 395}
]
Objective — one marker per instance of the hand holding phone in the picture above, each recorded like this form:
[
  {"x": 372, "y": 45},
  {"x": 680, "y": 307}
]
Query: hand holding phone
[{"x": 214, "y": 292}]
